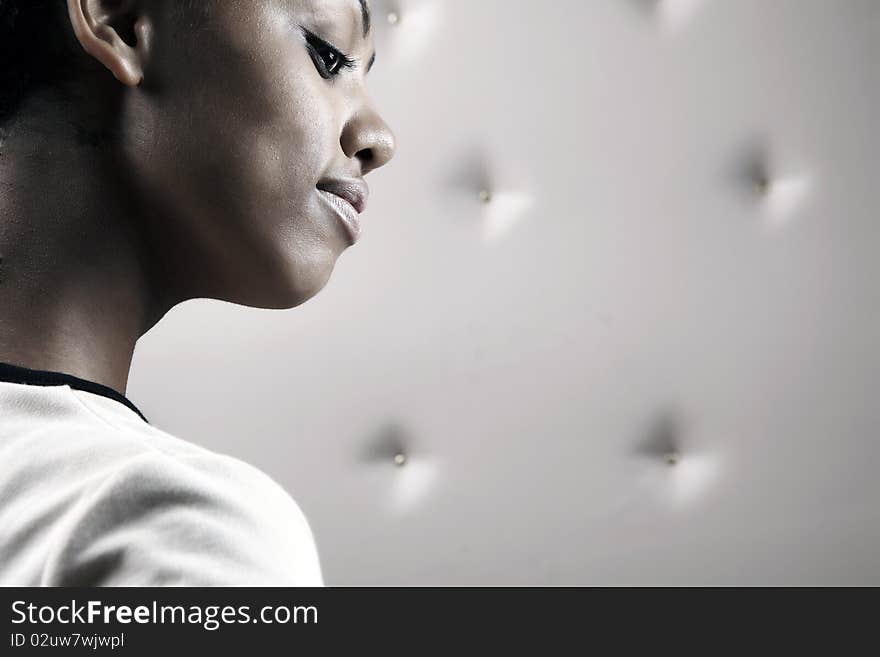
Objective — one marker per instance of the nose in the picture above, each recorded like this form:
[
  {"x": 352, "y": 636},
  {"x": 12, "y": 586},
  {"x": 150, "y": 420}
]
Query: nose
[{"x": 368, "y": 138}]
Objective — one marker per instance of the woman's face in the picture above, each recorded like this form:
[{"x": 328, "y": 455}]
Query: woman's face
[{"x": 249, "y": 137}]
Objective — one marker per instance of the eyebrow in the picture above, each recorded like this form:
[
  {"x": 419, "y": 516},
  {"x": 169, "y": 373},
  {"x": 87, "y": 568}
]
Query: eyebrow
[
  {"x": 367, "y": 20},
  {"x": 365, "y": 15}
]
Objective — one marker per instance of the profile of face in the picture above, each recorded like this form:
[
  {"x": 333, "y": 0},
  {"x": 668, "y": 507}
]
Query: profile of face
[{"x": 247, "y": 132}]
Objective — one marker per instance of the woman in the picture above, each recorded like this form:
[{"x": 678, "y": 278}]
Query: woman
[{"x": 155, "y": 151}]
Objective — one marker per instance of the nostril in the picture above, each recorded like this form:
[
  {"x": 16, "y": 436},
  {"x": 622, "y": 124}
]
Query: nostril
[{"x": 377, "y": 156}]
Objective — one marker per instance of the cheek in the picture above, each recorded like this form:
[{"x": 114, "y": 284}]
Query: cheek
[
  {"x": 238, "y": 198},
  {"x": 243, "y": 153},
  {"x": 284, "y": 154},
  {"x": 230, "y": 148}
]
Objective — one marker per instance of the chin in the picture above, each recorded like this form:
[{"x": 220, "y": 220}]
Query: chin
[{"x": 295, "y": 284}]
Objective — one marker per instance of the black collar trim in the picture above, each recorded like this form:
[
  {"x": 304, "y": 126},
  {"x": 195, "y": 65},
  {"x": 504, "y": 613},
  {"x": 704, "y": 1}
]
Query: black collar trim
[{"x": 15, "y": 374}]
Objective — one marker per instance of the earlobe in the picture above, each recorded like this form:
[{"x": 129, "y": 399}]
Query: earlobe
[{"x": 97, "y": 25}]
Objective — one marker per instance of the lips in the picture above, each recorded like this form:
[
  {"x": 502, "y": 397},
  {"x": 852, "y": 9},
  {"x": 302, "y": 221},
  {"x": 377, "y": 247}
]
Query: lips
[
  {"x": 347, "y": 198},
  {"x": 352, "y": 190}
]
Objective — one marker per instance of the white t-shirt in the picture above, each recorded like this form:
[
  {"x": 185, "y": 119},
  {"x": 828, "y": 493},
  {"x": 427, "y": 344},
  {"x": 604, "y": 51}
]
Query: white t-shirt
[{"x": 93, "y": 495}]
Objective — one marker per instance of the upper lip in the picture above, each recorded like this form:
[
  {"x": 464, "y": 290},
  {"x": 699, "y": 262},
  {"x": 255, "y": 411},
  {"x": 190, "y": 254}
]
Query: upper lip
[{"x": 353, "y": 190}]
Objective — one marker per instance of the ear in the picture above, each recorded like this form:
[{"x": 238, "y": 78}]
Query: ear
[{"x": 99, "y": 26}]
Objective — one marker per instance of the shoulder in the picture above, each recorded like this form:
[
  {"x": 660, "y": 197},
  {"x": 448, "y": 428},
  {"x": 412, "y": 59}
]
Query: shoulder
[{"x": 197, "y": 518}]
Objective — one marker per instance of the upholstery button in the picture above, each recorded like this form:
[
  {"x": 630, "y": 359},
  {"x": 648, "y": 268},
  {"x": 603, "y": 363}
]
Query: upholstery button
[{"x": 762, "y": 186}]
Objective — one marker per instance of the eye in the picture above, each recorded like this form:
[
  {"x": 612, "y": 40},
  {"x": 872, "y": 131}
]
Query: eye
[{"x": 329, "y": 61}]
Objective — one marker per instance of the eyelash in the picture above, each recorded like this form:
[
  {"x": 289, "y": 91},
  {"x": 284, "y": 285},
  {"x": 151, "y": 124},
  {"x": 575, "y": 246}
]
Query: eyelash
[{"x": 320, "y": 51}]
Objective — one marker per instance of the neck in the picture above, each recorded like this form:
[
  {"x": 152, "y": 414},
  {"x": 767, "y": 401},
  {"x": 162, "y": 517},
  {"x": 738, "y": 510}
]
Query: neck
[{"x": 76, "y": 288}]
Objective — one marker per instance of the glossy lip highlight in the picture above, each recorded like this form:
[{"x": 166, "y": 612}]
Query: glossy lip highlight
[{"x": 348, "y": 197}]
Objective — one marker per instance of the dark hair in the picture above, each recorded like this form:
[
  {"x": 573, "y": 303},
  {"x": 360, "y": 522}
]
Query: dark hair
[
  {"x": 34, "y": 49},
  {"x": 38, "y": 47}
]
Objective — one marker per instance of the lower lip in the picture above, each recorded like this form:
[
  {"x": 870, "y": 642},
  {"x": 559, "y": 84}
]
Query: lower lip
[{"x": 346, "y": 212}]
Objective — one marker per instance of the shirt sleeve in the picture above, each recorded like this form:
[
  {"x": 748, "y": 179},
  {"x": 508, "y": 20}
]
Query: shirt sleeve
[{"x": 206, "y": 520}]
